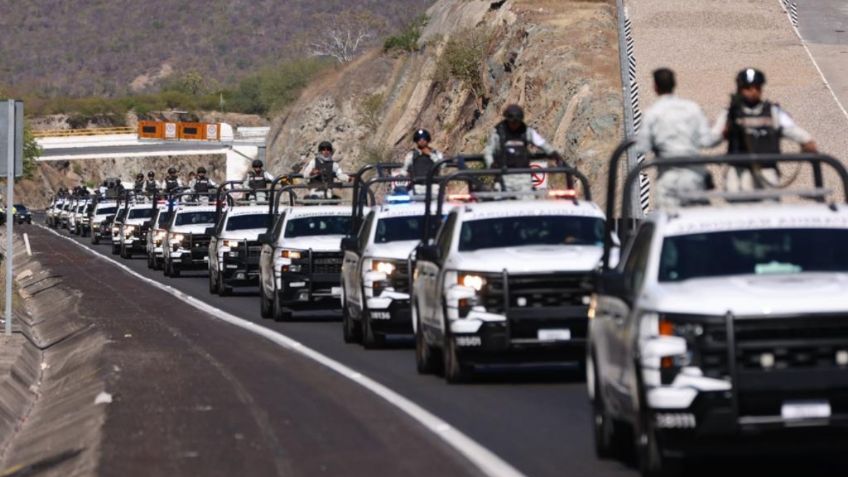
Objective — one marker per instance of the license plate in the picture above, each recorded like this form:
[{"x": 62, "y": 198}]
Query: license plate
[
  {"x": 792, "y": 410},
  {"x": 554, "y": 335},
  {"x": 336, "y": 291}
]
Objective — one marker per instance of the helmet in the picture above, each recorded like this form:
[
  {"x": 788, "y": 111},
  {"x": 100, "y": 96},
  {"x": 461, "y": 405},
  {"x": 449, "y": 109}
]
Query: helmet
[
  {"x": 325, "y": 145},
  {"x": 750, "y": 77},
  {"x": 172, "y": 170},
  {"x": 151, "y": 174},
  {"x": 139, "y": 176},
  {"x": 421, "y": 134},
  {"x": 201, "y": 170},
  {"x": 513, "y": 112},
  {"x": 256, "y": 163}
]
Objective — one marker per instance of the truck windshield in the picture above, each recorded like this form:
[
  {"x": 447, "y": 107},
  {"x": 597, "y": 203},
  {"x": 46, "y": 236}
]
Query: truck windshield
[
  {"x": 534, "y": 230},
  {"x": 106, "y": 210},
  {"x": 395, "y": 229},
  {"x": 246, "y": 222},
  {"x": 193, "y": 218},
  {"x": 322, "y": 225},
  {"x": 759, "y": 252},
  {"x": 144, "y": 213},
  {"x": 163, "y": 218}
]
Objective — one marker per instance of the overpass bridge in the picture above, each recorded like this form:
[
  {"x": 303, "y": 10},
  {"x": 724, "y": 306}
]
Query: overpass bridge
[{"x": 239, "y": 145}]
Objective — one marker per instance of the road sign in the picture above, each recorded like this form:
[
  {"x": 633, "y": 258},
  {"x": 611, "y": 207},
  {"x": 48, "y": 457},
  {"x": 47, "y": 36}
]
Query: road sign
[
  {"x": 12, "y": 126},
  {"x": 12, "y": 145},
  {"x": 540, "y": 179},
  {"x": 170, "y": 130}
]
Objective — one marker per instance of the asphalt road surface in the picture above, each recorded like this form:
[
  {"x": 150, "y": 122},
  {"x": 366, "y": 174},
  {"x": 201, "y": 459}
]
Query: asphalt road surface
[{"x": 537, "y": 421}]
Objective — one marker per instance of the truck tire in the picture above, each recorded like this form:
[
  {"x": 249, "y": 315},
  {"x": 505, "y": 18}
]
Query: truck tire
[
  {"x": 265, "y": 305},
  {"x": 456, "y": 371}
]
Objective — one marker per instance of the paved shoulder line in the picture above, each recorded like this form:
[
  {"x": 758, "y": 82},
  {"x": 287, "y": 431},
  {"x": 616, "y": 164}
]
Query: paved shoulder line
[
  {"x": 489, "y": 463},
  {"x": 797, "y": 31}
]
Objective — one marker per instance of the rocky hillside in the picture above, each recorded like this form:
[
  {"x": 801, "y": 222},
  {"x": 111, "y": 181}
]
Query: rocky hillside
[
  {"x": 109, "y": 47},
  {"x": 557, "y": 58}
]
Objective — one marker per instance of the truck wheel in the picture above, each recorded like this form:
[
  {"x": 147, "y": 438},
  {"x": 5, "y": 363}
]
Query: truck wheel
[
  {"x": 95, "y": 239},
  {"x": 608, "y": 433},
  {"x": 213, "y": 286},
  {"x": 166, "y": 268},
  {"x": 116, "y": 249},
  {"x": 222, "y": 287},
  {"x": 175, "y": 270},
  {"x": 456, "y": 371},
  {"x": 350, "y": 330},
  {"x": 265, "y": 304},
  {"x": 370, "y": 340},
  {"x": 649, "y": 451},
  {"x": 124, "y": 253},
  {"x": 280, "y": 313}
]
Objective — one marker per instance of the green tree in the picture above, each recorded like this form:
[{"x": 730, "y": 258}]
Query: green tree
[{"x": 32, "y": 151}]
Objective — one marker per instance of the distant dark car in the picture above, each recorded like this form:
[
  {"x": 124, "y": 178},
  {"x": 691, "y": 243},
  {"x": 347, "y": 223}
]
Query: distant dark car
[{"x": 22, "y": 214}]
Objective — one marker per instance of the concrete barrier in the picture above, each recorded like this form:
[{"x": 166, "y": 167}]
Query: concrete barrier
[{"x": 50, "y": 374}]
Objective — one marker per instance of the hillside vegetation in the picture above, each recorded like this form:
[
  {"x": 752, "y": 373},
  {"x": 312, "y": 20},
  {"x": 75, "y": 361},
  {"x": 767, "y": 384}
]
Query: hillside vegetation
[{"x": 114, "y": 47}]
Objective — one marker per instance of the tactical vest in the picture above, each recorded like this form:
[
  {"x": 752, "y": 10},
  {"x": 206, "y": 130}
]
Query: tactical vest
[
  {"x": 257, "y": 181},
  {"x": 513, "y": 151},
  {"x": 756, "y": 133},
  {"x": 138, "y": 186},
  {"x": 171, "y": 184},
  {"x": 201, "y": 186},
  {"x": 325, "y": 169},
  {"x": 421, "y": 166},
  {"x": 150, "y": 186}
]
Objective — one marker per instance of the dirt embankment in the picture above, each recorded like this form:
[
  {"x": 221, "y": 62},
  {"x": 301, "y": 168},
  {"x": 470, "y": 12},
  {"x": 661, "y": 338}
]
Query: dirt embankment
[{"x": 557, "y": 58}]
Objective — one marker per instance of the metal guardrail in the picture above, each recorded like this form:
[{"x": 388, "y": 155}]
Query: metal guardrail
[{"x": 83, "y": 132}]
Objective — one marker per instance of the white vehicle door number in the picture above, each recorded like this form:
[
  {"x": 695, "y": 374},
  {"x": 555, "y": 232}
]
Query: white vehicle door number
[
  {"x": 554, "y": 335},
  {"x": 792, "y": 410}
]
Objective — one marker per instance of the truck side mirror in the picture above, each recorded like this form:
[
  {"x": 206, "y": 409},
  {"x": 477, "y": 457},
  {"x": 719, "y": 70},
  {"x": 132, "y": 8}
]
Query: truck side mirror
[
  {"x": 613, "y": 282},
  {"x": 349, "y": 244},
  {"x": 264, "y": 238},
  {"x": 428, "y": 253},
  {"x": 210, "y": 231}
]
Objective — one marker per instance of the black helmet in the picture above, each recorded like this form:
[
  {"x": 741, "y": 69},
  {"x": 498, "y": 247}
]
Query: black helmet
[
  {"x": 139, "y": 176},
  {"x": 256, "y": 163},
  {"x": 172, "y": 170},
  {"x": 325, "y": 146},
  {"x": 201, "y": 170},
  {"x": 750, "y": 77},
  {"x": 513, "y": 112},
  {"x": 421, "y": 134},
  {"x": 151, "y": 175}
]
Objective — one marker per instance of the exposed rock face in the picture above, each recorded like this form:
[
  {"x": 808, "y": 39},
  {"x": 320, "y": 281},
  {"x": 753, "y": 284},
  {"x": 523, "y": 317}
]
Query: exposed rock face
[{"x": 557, "y": 58}]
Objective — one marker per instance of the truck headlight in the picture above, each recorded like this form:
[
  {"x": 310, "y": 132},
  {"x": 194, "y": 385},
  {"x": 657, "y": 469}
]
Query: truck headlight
[
  {"x": 475, "y": 282},
  {"x": 176, "y": 238},
  {"x": 128, "y": 230},
  {"x": 231, "y": 243},
  {"x": 292, "y": 254},
  {"x": 384, "y": 267}
]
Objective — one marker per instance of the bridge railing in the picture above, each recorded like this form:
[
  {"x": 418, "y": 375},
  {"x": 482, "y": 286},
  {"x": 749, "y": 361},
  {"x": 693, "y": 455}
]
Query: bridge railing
[{"x": 83, "y": 132}]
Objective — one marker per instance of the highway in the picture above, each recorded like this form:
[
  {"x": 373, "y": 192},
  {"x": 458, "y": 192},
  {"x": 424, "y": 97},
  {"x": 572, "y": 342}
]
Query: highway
[{"x": 539, "y": 422}]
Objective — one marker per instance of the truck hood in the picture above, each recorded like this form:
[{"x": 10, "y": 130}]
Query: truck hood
[
  {"x": 197, "y": 229},
  {"x": 135, "y": 221},
  {"x": 318, "y": 243},
  {"x": 746, "y": 295},
  {"x": 247, "y": 234},
  {"x": 398, "y": 250},
  {"x": 529, "y": 259}
]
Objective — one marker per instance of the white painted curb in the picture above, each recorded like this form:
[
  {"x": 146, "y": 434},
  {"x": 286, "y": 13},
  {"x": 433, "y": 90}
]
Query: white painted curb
[{"x": 489, "y": 463}]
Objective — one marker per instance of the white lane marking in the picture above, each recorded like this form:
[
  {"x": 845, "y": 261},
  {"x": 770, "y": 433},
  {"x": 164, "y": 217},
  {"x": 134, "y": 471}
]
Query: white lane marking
[
  {"x": 815, "y": 63},
  {"x": 484, "y": 459}
]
